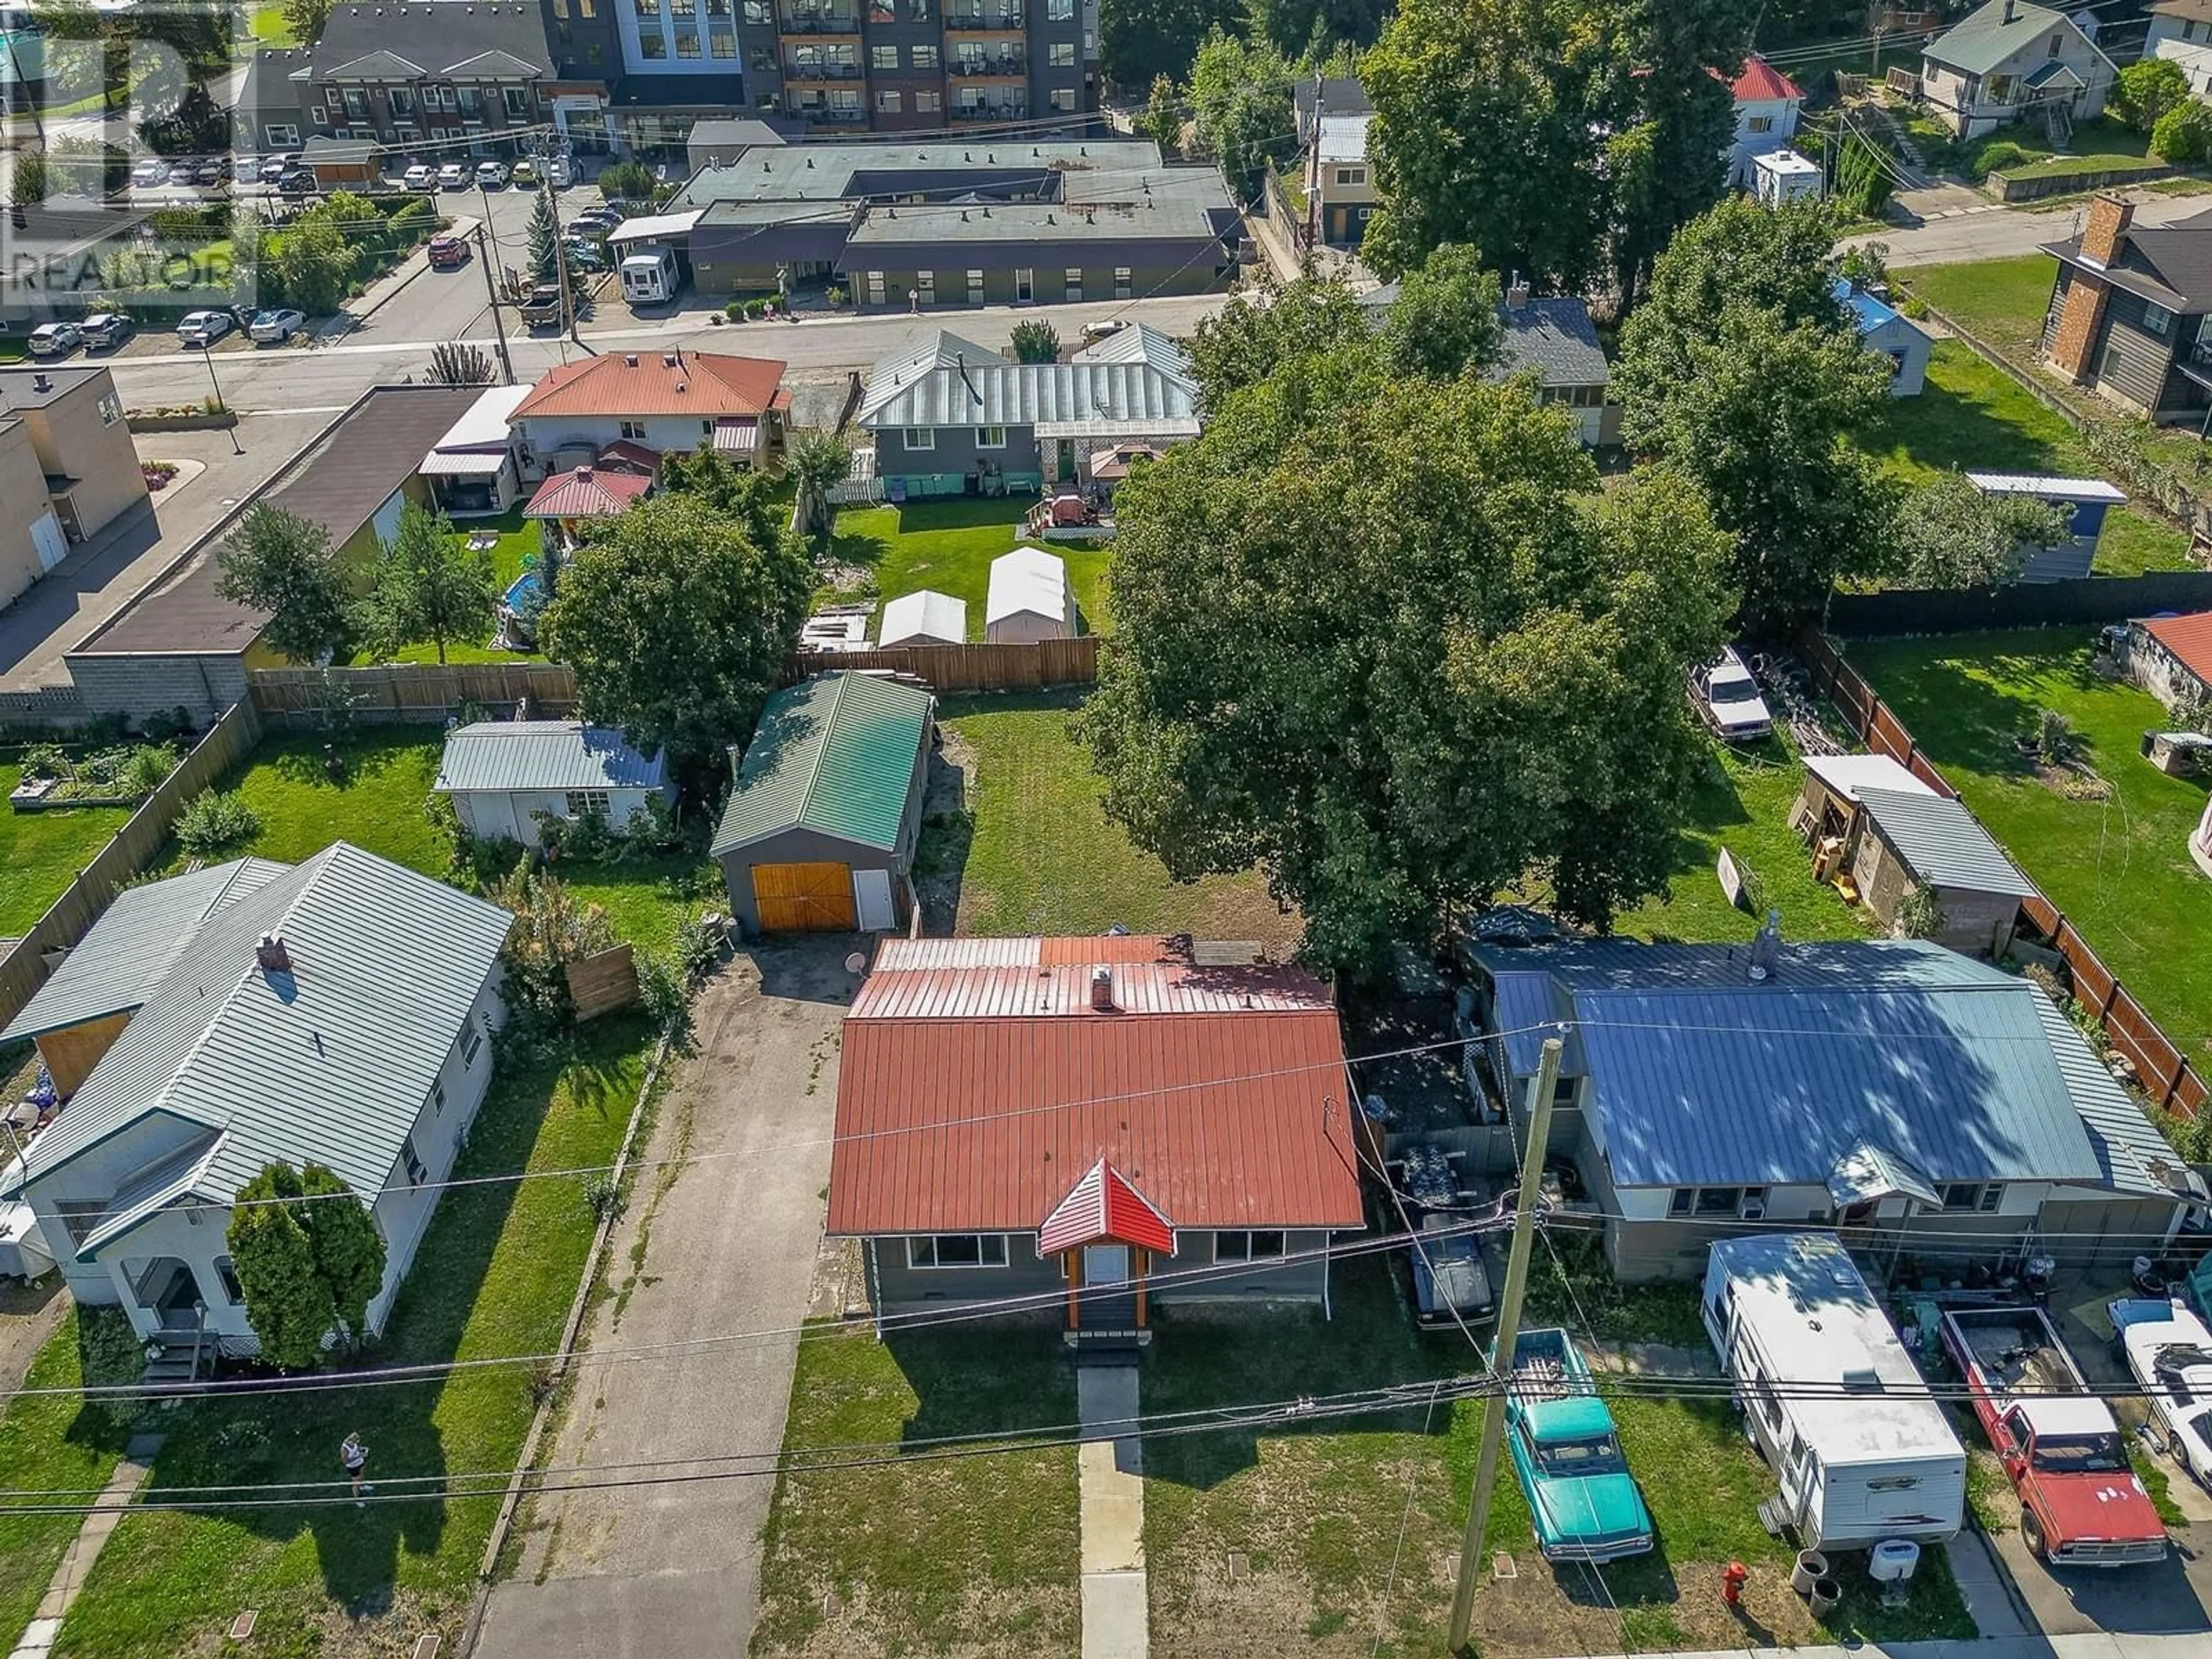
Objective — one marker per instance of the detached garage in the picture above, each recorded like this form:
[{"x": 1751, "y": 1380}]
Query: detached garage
[{"x": 820, "y": 831}]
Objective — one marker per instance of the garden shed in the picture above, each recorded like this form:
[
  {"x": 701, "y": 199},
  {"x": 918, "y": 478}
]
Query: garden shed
[
  {"x": 503, "y": 775},
  {"x": 1030, "y": 600},
  {"x": 820, "y": 830},
  {"x": 1877, "y": 828}
]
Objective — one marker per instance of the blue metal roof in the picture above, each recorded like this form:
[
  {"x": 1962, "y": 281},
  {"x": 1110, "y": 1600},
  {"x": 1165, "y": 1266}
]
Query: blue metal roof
[
  {"x": 1701, "y": 1076},
  {"x": 1872, "y": 313}
]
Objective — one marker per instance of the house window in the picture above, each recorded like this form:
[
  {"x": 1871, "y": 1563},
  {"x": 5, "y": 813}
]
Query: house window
[
  {"x": 2057, "y": 41},
  {"x": 280, "y": 135},
  {"x": 227, "y": 1271},
  {"x": 888, "y": 102},
  {"x": 925, "y": 58},
  {"x": 437, "y": 1099},
  {"x": 417, "y": 1172},
  {"x": 1121, "y": 282},
  {"x": 1711, "y": 1201},
  {"x": 876, "y": 296},
  {"x": 1062, "y": 54},
  {"x": 687, "y": 45},
  {"x": 974, "y": 287},
  {"x": 1063, "y": 98},
  {"x": 356, "y": 104},
  {"x": 583, "y": 801},
  {"x": 633, "y": 431},
  {"x": 1060, "y": 11},
  {"x": 2189, "y": 30},
  {"x": 929, "y": 102},
  {"x": 914, "y": 437},
  {"x": 1982, "y": 1196},
  {"x": 111, "y": 409},
  {"x": 990, "y": 437},
  {"x": 958, "y": 1250},
  {"x": 2156, "y": 318},
  {"x": 1759, "y": 124},
  {"x": 471, "y": 1043},
  {"x": 884, "y": 57},
  {"x": 1352, "y": 175},
  {"x": 403, "y": 101},
  {"x": 471, "y": 101},
  {"x": 1247, "y": 1246}
]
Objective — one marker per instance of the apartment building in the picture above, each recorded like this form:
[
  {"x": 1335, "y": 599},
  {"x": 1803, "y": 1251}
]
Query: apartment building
[{"x": 68, "y": 469}]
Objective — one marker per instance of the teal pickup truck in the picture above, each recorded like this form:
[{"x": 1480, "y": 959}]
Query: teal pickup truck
[{"x": 1582, "y": 1498}]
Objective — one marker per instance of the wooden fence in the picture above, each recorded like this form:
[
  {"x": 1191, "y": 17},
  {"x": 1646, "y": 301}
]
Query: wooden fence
[
  {"x": 968, "y": 667},
  {"x": 602, "y": 983},
  {"x": 2072, "y": 602},
  {"x": 133, "y": 846},
  {"x": 2162, "y": 1068},
  {"x": 414, "y": 691}
]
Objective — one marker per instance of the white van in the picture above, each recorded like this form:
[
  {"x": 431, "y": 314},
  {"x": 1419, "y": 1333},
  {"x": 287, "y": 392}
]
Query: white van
[
  {"x": 561, "y": 171},
  {"x": 649, "y": 277},
  {"x": 1862, "y": 1450}
]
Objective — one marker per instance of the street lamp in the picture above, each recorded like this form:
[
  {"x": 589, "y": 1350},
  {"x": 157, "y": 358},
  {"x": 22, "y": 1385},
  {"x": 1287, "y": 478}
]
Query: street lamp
[{"x": 207, "y": 356}]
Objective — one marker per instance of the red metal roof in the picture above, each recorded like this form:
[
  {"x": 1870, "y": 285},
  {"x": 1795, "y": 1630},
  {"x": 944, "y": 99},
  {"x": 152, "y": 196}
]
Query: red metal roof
[
  {"x": 675, "y": 382},
  {"x": 2190, "y": 640},
  {"x": 1760, "y": 81},
  {"x": 977, "y": 1081},
  {"x": 586, "y": 493},
  {"x": 626, "y": 454},
  {"x": 1104, "y": 1206}
]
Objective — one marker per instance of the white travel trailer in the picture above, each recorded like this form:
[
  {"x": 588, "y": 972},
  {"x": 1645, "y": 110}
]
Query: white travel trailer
[{"x": 1829, "y": 1394}]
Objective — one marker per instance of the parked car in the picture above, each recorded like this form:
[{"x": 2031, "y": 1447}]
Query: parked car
[
  {"x": 277, "y": 326},
  {"x": 55, "y": 339},
  {"x": 542, "y": 308},
  {"x": 585, "y": 256},
  {"x": 1728, "y": 696},
  {"x": 561, "y": 171},
  {"x": 2169, "y": 1352},
  {"x": 491, "y": 175},
  {"x": 1583, "y": 1501},
  {"x": 421, "y": 176},
  {"x": 598, "y": 219},
  {"x": 448, "y": 253},
  {"x": 245, "y": 170},
  {"x": 150, "y": 172},
  {"x": 204, "y": 328},
  {"x": 1104, "y": 328},
  {"x": 108, "y": 329},
  {"x": 276, "y": 166},
  {"x": 211, "y": 172},
  {"x": 525, "y": 171},
  {"x": 300, "y": 181},
  {"x": 454, "y": 175},
  {"x": 1451, "y": 1281}
]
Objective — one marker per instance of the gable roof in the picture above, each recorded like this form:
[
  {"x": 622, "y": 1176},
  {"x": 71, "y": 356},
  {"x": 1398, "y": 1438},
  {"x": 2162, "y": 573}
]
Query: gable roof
[
  {"x": 837, "y": 754},
  {"x": 431, "y": 40},
  {"x": 1869, "y": 312},
  {"x": 1555, "y": 338},
  {"x": 1027, "y": 581},
  {"x": 2169, "y": 264},
  {"x": 328, "y": 1062},
  {"x": 1760, "y": 82},
  {"x": 977, "y": 1078},
  {"x": 706, "y": 384},
  {"x": 1105, "y": 1205},
  {"x": 924, "y": 614},
  {"x": 585, "y": 492},
  {"x": 1333, "y": 95},
  {"x": 1343, "y": 138},
  {"x": 502, "y": 754},
  {"x": 1993, "y": 33},
  {"x": 1940, "y": 841},
  {"x": 1700, "y": 1077},
  {"x": 2188, "y": 638},
  {"x": 125, "y": 953},
  {"x": 947, "y": 381}
]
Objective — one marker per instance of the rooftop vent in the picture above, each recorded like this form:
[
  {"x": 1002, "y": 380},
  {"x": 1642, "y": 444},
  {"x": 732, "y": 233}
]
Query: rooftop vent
[
  {"x": 669, "y": 360},
  {"x": 629, "y": 360},
  {"x": 1102, "y": 989},
  {"x": 41, "y": 383},
  {"x": 1767, "y": 948},
  {"x": 684, "y": 386},
  {"x": 271, "y": 954}
]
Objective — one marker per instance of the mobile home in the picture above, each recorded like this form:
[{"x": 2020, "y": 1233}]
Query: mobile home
[{"x": 1829, "y": 1396}]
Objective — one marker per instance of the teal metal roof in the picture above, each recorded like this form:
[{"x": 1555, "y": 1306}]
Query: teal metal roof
[
  {"x": 1989, "y": 37},
  {"x": 835, "y": 754}
]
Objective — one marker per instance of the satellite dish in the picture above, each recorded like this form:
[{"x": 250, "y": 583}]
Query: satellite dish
[{"x": 856, "y": 962}]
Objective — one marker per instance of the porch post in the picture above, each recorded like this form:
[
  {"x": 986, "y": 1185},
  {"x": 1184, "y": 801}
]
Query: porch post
[
  {"x": 1142, "y": 1261},
  {"x": 1074, "y": 1261}
]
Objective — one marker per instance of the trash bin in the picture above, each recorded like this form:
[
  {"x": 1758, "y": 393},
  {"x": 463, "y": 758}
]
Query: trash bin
[
  {"x": 1826, "y": 1592},
  {"x": 1812, "y": 1567}
]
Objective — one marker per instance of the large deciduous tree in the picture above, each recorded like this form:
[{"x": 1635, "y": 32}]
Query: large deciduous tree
[
  {"x": 428, "y": 584},
  {"x": 1240, "y": 95},
  {"x": 1316, "y": 28},
  {"x": 279, "y": 563},
  {"x": 1139, "y": 40},
  {"x": 1947, "y": 533},
  {"x": 1385, "y": 638},
  {"x": 1252, "y": 336},
  {"x": 678, "y": 621},
  {"x": 1445, "y": 318},
  {"x": 1744, "y": 372},
  {"x": 348, "y": 1252}
]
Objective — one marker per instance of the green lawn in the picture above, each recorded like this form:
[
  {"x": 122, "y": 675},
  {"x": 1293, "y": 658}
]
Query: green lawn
[
  {"x": 2000, "y": 300},
  {"x": 970, "y": 1554},
  {"x": 519, "y": 540},
  {"x": 2120, "y": 868},
  {"x": 1974, "y": 417},
  {"x": 41, "y": 853},
  {"x": 52, "y": 1443},
  {"x": 948, "y": 545},
  {"x": 1037, "y": 854}
]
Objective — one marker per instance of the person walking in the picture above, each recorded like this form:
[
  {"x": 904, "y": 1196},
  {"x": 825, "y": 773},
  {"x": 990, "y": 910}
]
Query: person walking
[{"x": 354, "y": 1456}]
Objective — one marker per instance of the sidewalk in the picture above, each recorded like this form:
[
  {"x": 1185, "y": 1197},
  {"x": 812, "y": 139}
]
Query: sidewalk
[
  {"x": 1110, "y": 1475},
  {"x": 2188, "y": 1645}
]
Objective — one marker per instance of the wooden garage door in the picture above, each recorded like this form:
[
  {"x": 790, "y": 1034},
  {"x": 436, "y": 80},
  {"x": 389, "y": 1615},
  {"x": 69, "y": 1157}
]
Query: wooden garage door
[{"x": 803, "y": 898}]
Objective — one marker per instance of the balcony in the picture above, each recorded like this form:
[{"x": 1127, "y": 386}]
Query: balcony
[
  {"x": 814, "y": 22},
  {"x": 1006, "y": 109},
  {"x": 821, "y": 115},
  {"x": 1001, "y": 65},
  {"x": 984, "y": 20},
  {"x": 799, "y": 70}
]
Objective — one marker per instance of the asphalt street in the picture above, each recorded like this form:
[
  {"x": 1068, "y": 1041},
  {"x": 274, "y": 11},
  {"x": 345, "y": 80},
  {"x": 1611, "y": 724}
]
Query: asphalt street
[{"x": 1989, "y": 232}]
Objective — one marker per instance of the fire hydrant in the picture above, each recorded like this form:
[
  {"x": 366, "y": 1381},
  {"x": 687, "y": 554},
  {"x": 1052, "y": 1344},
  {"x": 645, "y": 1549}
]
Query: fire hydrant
[{"x": 1732, "y": 1582}]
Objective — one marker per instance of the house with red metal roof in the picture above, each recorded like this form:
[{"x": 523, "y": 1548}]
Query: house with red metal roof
[
  {"x": 2171, "y": 657},
  {"x": 1084, "y": 1128},
  {"x": 1766, "y": 105},
  {"x": 657, "y": 402}
]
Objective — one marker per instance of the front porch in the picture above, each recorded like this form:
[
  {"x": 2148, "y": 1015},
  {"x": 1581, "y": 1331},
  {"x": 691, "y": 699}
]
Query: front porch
[{"x": 1107, "y": 1235}]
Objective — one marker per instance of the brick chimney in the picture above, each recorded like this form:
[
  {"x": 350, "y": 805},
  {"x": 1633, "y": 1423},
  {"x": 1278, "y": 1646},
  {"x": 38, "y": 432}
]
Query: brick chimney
[
  {"x": 1102, "y": 989},
  {"x": 1517, "y": 293},
  {"x": 2109, "y": 218},
  {"x": 271, "y": 954}
]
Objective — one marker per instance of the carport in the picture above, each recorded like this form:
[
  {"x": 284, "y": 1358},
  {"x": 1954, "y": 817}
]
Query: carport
[{"x": 820, "y": 830}]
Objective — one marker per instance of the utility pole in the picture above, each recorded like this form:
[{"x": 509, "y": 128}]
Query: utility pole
[
  {"x": 491, "y": 289},
  {"x": 1509, "y": 1328}
]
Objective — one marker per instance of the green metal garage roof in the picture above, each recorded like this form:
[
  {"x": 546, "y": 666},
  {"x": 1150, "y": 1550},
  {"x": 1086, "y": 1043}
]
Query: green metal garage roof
[{"x": 835, "y": 754}]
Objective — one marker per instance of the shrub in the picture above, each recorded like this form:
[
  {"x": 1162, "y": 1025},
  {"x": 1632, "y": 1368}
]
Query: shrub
[
  {"x": 2054, "y": 738},
  {"x": 590, "y": 840},
  {"x": 110, "y": 1355},
  {"x": 837, "y": 296},
  {"x": 2147, "y": 90},
  {"x": 632, "y": 180},
  {"x": 44, "y": 760},
  {"x": 735, "y": 311},
  {"x": 1920, "y": 915},
  {"x": 1996, "y": 157},
  {"x": 150, "y": 764},
  {"x": 2184, "y": 134},
  {"x": 214, "y": 820},
  {"x": 755, "y": 308},
  {"x": 603, "y": 1197}
]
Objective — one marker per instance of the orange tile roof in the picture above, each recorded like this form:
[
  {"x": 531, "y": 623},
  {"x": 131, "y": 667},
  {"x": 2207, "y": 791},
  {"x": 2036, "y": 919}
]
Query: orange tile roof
[
  {"x": 702, "y": 383},
  {"x": 2190, "y": 640}
]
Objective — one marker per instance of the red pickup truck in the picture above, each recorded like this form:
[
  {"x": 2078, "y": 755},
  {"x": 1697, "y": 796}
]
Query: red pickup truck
[{"x": 2080, "y": 1504}]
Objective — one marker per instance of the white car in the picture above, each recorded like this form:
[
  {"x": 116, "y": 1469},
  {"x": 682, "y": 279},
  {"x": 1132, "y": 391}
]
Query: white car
[
  {"x": 150, "y": 172},
  {"x": 2172, "y": 1358},
  {"x": 245, "y": 170},
  {"x": 55, "y": 339},
  {"x": 1105, "y": 328},
  {"x": 1728, "y": 696},
  {"x": 421, "y": 176},
  {"x": 203, "y": 328},
  {"x": 491, "y": 175},
  {"x": 454, "y": 175},
  {"x": 274, "y": 327}
]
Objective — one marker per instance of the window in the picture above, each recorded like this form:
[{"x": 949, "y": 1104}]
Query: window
[
  {"x": 683, "y": 8},
  {"x": 1063, "y": 98},
  {"x": 914, "y": 437},
  {"x": 470, "y": 101},
  {"x": 1348, "y": 176},
  {"x": 1247, "y": 1246},
  {"x": 887, "y": 103},
  {"x": 990, "y": 437},
  {"x": 2156, "y": 318},
  {"x": 280, "y": 135},
  {"x": 925, "y": 58},
  {"x": 651, "y": 45},
  {"x": 356, "y": 104},
  {"x": 876, "y": 298},
  {"x": 884, "y": 57},
  {"x": 437, "y": 1099},
  {"x": 1074, "y": 284},
  {"x": 1060, "y": 11},
  {"x": 757, "y": 12},
  {"x": 471, "y": 1043},
  {"x": 928, "y": 101},
  {"x": 417, "y": 1172},
  {"x": 403, "y": 101},
  {"x": 844, "y": 97},
  {"x": 227, "y": 1271},
  {"x": 974, "y": 287},
  {"x": 721, "y": 43},
  {"x": 633, "y": 431},
  {"x": 583, "y": 801},
  {"x": 924, "y": 285},
  {"x": 958, "y": 1250},
  {"x": 1712, "y": 1200},
  {"x": 2189, "y": 30},
  {"x": 761, "y": 58},
  {"x": 111, "y": 409},
  {"x": 687, "y": 45},
  {"x": 1759, "y": 124},
  {"x": 1062, "y": 54},
  {"x": 1121, "y": 282},
  {"x": 1974, "y": 1195},
  {"x": 2057, "y": 42}
]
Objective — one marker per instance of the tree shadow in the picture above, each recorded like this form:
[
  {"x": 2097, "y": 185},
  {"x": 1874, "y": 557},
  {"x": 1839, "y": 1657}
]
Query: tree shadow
[
  {"x": 948, "y": 832},
  {"x": 960, "y": 513}
]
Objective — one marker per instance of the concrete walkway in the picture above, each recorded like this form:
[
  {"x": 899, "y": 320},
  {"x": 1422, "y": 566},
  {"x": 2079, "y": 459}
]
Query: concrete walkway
[
  {"x": 1116, "y": 1621},
  {"x": 1990, "y": 1598},
  {"x": 84, "y": 1549}
]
